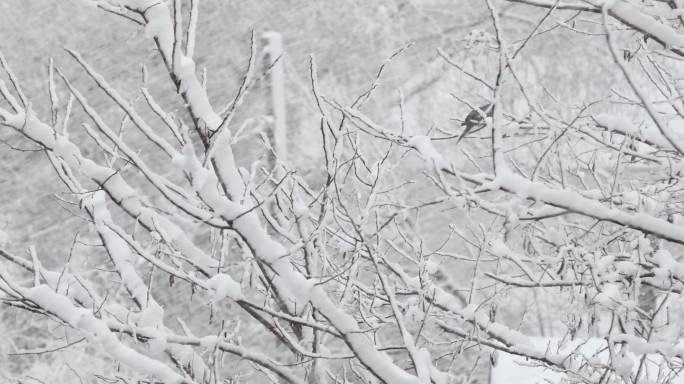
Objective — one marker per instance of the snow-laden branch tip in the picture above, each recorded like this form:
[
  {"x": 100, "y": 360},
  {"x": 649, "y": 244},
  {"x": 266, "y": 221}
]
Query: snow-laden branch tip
[
  {"x": 224, "y": 286},
  {"x": 428, "y": 152}
]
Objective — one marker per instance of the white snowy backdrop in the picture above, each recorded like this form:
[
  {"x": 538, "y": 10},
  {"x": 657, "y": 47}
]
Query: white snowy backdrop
[{"x": 286, "y": 191}]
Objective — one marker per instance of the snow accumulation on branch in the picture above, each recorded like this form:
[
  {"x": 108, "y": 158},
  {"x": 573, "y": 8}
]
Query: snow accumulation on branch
[
  {"x": 99, "y": 333},
  {"x": 427, "y": 151},
  {"x": 224, "y": 286},
  {"x": 293, "y": 287},
  {"x": 127, "y": 198},
  {"x": 147, "y": 324},
  {"x": 575, "y": 202},
  {"x": 639, "y": 19},
  {"x": 110, "y": 180},
  {"x": 160, "y": 26},
  {"x": 628, "y": 13},
  {"x": 625, "y": 127},
  {"x": 370, "y": 271}
]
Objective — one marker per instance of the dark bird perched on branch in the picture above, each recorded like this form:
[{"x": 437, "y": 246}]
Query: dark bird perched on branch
[{"x": 474, "y": 122}]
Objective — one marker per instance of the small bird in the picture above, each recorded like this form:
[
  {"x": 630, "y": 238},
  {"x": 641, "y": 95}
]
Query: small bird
[{"x": 474, "y": 122}]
